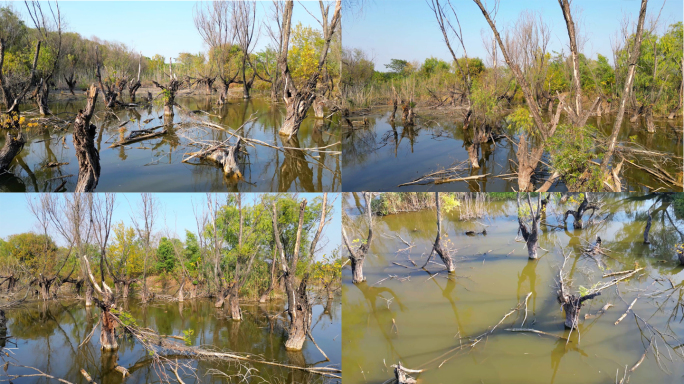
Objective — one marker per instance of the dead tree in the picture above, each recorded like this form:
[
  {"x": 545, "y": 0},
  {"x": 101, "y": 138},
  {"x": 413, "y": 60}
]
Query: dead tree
[
  {"x": 577, "y": 116},
  {"x": 169, "y": 93},
  {"x": 357, "y": 255},
  {"x": 438, "y": 247},
  {"x": 109, "y": 92},
  {"x": 530, "y": 233},
  {"x": 584, "y": 206},
  {"x": 71, "y": 82},
  {"x": 680, "y": 253},
  {"x": 298, "y": 305},
  {"x": 133, "y": 86},
  {"x": 612, "y": 178},
  {"x": 84, "y": 143},
  {"x": 299, "y": 100},
  {"x": 244, "y": 16},
  {"x": 241, "y": 275},
  {"x": 40, "y": 21},
  {"x": 216, "y": 24},
  {"x": 571, "y": 303},
  {"x": 144, "y": 224},
  {"x": 106, "y": 304},
  {"x": 446, "y": 25},
  {"x": 528, "y": 158}
]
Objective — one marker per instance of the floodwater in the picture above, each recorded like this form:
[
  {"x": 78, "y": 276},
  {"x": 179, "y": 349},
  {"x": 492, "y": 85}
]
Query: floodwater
[
  {"x": 156, "y": 164},
  {"x": 418, "y": 321},
  {"x": 383, "y": 156},
  {"x": 48, "y": 334}
]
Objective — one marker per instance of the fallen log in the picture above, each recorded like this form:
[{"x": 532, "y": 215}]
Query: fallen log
[
  {"x": 224, "y": 155},
  {"x": 140, "y": 135}
]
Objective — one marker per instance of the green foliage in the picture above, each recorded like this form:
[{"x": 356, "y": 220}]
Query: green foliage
[
  {"x": 126, "y": 318},
  {"x": 449, "y": 202},
  {"x": 571, "y": 149},
  {"x": 166, "y": 259},
  {"x": 521, "y": 120},
  {"x": 36, "y": 252},
  {"x": 397, "y": 66},
  {"x": 187, "y": 336}
]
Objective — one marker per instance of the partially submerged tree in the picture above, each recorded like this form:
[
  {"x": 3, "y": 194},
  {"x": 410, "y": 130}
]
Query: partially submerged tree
[
  {"x": 529, "y": 155},
  {"x": 144, "y": 225},
  {"x": 84, "y": 143},
  {"x": 244, "y": 16},
  {"x": 298, "y": 100},
  {"x": 298, "y": 305},
  {"x": 169, "y": 92},
  {"x": 133, "y": 86},
  {"x": 529, "y": 228},
  {"x": 49, "y": 29},
  {"x": 107, "y": 303},
  {"x": 357, "y": 254},
  {"x": 216, "y": 24},
  {"x": 612, "y": 177},
  {"x": 583, "y": 208},
  {"x": 438, "y": 247}
]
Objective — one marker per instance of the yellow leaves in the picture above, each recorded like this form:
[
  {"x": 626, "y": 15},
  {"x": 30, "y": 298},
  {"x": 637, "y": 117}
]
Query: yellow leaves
[{"x": 303, "y": 59}]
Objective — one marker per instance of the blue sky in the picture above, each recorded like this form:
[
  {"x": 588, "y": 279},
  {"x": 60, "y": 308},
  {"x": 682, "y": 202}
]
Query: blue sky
[
  {"x": 175, "y": 213},
  {"x": 406, "y": 29},
  {"x": 163, "y": 27}
]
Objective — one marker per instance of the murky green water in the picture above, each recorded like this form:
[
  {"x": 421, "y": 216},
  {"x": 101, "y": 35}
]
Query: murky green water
[
  {"x": 48, "y": 334},
  {"x": 419, "y": 320},
  {"x": 383, "y": 156},
  {"x": 155, "y": 164}
]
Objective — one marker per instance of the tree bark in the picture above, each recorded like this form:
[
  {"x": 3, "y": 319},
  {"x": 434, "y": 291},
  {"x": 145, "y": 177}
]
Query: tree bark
[
  {"x": 438, "y": 247},
  {"x": 358, "y": 255},
  {"x": 633, "y": 58},
  {"x": 108, "y": 332},
  {"x": 300, "y": 318},
  {"x": 234, "y": 305},
  {"x": 42, "y": 97},
  {"x": 14, "y": 143},
  {"x": 299, "y": 101},
  {"x": 84, "y": 143},
  {"x": 89, "y": 295}
]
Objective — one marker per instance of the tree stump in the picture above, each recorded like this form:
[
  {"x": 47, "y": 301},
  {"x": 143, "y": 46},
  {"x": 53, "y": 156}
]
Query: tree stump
[
  {"x": 318, "y": 109},
  {"x": 300, "y": 323},
  {"x": 228, "y": 159},
  {"x": 84, "y": 143},
  {"x": 14, "y": 143}
]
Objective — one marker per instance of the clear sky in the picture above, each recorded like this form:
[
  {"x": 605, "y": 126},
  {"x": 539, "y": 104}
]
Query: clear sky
[
  {"x": 154, "y": 27},
  {"x": 175, "y": 213},
  {"x": 407, "y": 29}
]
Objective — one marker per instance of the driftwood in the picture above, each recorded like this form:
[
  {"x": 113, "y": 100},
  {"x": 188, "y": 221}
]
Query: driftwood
[
  {"x": 224, "y": 155},
  {"x": 140, "y": 135}
]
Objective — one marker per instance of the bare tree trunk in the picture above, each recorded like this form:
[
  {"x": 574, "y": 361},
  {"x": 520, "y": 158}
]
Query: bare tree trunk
[
  {"x": 71, "y": 82},
  {"x": 42, "y": 97},
  {"x": 14, "y": 143},
  {"x": 357, "y": 256},
  {"x": 650, "y": 125},
  {"x": 647, "y": 229},
  {"x": 234, "y": 304},
  {"x": 108, "y": 332},
  {"x": 299, "y": 101},
  {"x": 89, "y": 295},
  {"x": 300, "y": 322},
  {"x": 318, "y": 109},
  {"x": 438, "y": 247},
  {"x": 633, "y": 58},
  {"x": 84, "y": 143}
]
